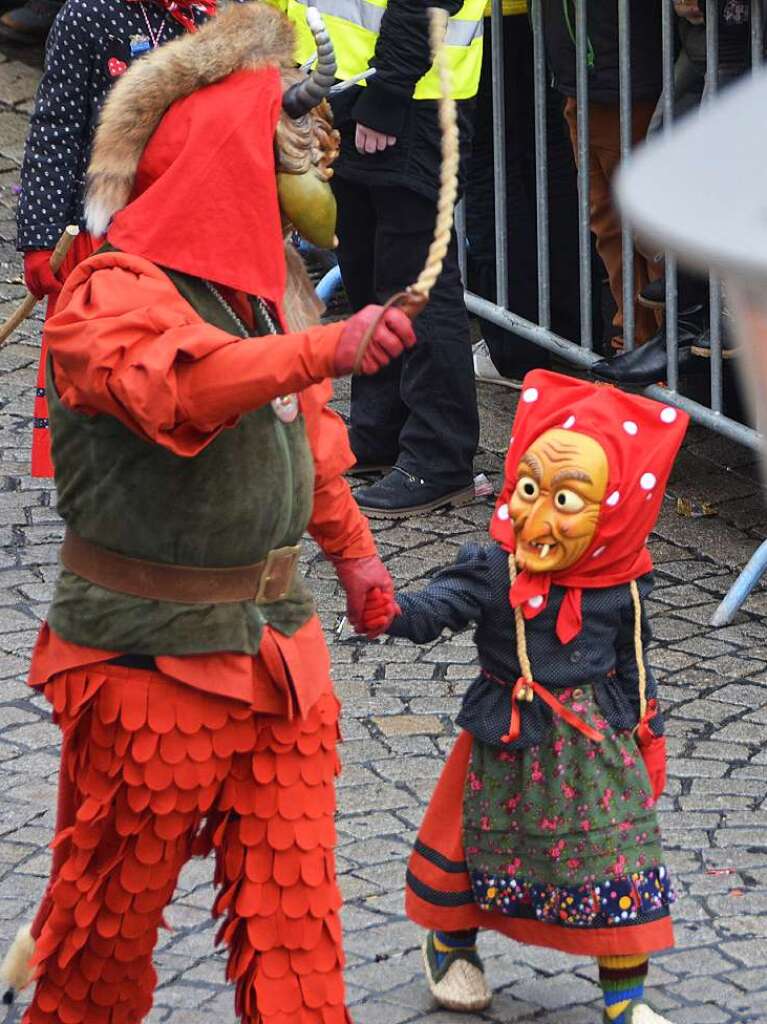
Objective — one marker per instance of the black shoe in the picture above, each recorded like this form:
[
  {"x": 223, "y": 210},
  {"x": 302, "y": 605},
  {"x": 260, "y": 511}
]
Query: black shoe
[
  {"x": 647, "y": 364},
  {"x": 401, "y": 494},
  {"x": 692, "y": 294}
]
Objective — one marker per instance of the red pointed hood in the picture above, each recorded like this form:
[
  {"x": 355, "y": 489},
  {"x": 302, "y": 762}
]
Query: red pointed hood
[
  {"x": 641, "y": 439},
  {"x": 205, "y": 194}
]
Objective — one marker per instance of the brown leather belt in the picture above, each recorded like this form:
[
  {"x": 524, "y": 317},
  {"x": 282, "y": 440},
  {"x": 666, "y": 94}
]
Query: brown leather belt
[{"x": 264, "y": 582}]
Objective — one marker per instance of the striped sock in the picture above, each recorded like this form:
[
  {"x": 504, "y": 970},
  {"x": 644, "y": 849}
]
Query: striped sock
[
  {"x": 622, "y": 979},
  {"x": 448, "y": 942}
]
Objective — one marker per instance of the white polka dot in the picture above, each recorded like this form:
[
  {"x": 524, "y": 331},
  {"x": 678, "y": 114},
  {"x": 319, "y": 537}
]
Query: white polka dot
[
  {"x": 630, "y": 427},
  {"x": 530, "y": 395},
  {"x": 614, "y": 498},
  {"x": 647, "y": 481},
  {"x": 569, "y": 422},
  {"x": 599, "y": 551},
  {"x": 649, "y": 496},
  {"x": 511, "y": 440},
  {"x": 668, "y": 415},
  {"x": 503, "y": 512},
  {"x": 535, "y": 602}
]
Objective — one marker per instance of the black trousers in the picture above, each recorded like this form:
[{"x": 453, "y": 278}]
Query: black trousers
[
  {"x": 421, "y": 410},
  {"x": 511, "y": 354}
]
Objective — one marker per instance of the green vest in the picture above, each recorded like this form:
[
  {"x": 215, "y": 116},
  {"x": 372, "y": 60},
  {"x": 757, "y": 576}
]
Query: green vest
[
  {"x": 248, "y": 492},
  {"x": 353, "y": 26}
]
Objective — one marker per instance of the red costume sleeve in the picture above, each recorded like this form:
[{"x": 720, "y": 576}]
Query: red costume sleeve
[
  {"x": 125, "y": 343},
  {"x": 337, "y": 524}
]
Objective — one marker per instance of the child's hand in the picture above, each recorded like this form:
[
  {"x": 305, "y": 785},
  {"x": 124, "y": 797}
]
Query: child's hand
[
  {"x": 38, "y": 276},
  {"x": 379, "y": 611}
]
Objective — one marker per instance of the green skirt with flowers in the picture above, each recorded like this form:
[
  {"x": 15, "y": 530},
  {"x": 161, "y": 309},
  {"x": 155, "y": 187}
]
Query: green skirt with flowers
[{"x": 565, "y": 833}]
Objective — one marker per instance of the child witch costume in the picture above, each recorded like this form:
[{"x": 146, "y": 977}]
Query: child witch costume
[
  {"x": 543, "y": 825},
  {"x": 193, "y": 447}
]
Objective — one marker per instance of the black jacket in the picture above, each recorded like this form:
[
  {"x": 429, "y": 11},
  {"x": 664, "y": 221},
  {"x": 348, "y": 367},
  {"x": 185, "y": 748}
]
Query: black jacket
[
  {"x": 602, "y": 27},
  {"x": 88, "y": 46},
  {"x": 402, "y": 56},
  {"x": 476, "y": 590}
]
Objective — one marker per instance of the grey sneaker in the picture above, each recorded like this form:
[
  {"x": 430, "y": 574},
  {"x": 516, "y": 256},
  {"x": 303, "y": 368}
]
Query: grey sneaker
[
  {"x": 30, "y": 23},
  {"x": 459, "y": 983},
  {"x": 485, "y": 371}
]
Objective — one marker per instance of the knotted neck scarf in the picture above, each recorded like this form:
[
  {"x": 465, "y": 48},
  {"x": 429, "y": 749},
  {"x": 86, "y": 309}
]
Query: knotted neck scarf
[{"x": 640, "y": 438}]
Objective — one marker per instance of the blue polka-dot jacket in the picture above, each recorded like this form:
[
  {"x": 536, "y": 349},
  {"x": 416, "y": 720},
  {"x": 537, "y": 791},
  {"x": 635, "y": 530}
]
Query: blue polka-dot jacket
[
  {"x": 476, "y": 590},
  {"x": 91, "y": 43}
]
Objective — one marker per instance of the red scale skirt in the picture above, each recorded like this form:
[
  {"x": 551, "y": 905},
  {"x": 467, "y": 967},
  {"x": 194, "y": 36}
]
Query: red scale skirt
[{"x": 154, "y": 772}]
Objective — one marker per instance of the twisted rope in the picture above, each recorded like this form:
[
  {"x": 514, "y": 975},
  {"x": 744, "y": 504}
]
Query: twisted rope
[
  {"x": 448, "y": 185},
  {"x": 639, "y": 649},
  {"x": 413, "y": 300},
  {"x": 519, "y": 624}
]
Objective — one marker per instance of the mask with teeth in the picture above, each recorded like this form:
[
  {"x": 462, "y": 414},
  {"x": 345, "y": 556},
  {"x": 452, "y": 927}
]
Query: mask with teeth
[
  {"x": 583, "y": 485},
  {"x": 561, "y": 481}
]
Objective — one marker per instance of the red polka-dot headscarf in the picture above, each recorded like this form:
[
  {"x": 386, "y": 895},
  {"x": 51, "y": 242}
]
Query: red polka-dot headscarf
[{"x": 640, "y": 438}]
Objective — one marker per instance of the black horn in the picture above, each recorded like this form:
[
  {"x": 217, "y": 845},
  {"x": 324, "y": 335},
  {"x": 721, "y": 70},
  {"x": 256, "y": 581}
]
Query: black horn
[{"x": 301, "y": 97}]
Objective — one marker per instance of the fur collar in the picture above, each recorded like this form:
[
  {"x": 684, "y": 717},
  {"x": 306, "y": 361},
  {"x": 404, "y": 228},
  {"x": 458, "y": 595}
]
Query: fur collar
[{"x": 243, "y": 36}]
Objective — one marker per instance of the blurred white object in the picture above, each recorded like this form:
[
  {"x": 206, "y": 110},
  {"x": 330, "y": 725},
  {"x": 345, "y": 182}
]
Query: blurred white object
[
  {"x": 700, "y": 191},
  {"x": 482, "y": 487},
  {"x": 485, "y": 371}
]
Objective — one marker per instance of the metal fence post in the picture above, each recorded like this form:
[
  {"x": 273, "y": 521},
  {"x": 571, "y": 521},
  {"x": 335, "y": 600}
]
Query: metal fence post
[
  {"x": 541, "y": 165},
  {"x": 626, "y": 136},
  {"x": 715, "y": 289},
  {"x": 672, "y": 350},
  {"x": 499, "y": 157},
  {"x": 584, "y": 240}
]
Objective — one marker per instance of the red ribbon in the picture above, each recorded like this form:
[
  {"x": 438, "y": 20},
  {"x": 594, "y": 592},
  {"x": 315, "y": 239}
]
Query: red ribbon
[
  {"x": 515, "y": 720},
  {"x": 182, "y": 10}
]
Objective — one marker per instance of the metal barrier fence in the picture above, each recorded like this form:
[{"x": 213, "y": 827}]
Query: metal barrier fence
[{"x": 580, "y": 352}]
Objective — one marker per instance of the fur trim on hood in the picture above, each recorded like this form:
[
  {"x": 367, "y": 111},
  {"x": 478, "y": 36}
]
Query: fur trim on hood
[{"x": 245, "y": 36}]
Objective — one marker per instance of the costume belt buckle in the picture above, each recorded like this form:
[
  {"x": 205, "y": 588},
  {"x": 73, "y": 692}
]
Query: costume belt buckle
[{"x": 277, "y": 575}]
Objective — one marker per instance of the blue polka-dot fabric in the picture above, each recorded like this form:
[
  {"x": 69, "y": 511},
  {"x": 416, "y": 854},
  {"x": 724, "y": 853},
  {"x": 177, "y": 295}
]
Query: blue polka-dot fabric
[
  {"x": 88, "y": 48},
  {"x": 475, "y": 590}
]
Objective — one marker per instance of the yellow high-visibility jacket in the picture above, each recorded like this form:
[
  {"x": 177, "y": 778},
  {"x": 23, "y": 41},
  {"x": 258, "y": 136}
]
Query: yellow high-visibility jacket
[
  {"x": 354, "y": 26},
  {"x": 508, "y": 7}
]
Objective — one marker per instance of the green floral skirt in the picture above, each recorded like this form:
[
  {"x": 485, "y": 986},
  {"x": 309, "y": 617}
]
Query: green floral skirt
[{"x": 566, "y": 832}]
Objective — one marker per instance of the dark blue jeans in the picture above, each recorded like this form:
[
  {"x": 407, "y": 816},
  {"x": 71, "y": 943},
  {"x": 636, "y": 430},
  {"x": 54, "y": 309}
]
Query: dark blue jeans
[{"x": 421, "y": 410}]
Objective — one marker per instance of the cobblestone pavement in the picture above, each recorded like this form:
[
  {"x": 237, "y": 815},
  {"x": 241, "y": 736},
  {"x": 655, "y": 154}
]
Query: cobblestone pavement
[{"x": 400, "y": 703}]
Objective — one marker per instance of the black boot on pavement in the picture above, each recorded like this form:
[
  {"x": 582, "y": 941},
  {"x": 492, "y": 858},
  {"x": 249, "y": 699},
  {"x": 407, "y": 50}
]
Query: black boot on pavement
[
  {"x": 647, "y": 364},
  {"x": 400, "y": 494}
]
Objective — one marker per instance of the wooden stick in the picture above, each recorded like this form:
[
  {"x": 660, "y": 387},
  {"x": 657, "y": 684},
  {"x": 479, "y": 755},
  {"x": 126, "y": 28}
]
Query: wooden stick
[{"x": 29, "y": 302}]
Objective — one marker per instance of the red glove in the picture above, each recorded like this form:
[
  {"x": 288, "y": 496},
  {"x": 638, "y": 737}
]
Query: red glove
[
  {"x": 38, "y": 276},
  {"x": 653, "y": 751},
  {"x": 358, "y": 576},
  {"x": 379, "y": 611},
  {"x": 392, "y": 336}
]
